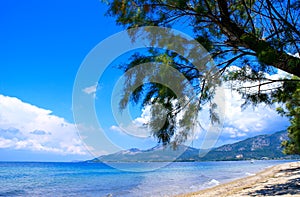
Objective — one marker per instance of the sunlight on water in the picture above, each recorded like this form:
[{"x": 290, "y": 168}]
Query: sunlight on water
[{"x": 96, "y": 179}]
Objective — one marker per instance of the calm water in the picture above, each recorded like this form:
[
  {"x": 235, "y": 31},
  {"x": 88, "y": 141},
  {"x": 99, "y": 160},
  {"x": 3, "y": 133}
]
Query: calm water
[{"x": 96, "y": 179}]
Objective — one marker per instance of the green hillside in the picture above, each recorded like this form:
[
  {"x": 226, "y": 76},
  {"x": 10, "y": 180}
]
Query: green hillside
[{"x": 258, "y": 147}]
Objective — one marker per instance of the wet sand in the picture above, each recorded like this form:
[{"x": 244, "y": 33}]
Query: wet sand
[{"x": 281, "y": 180}]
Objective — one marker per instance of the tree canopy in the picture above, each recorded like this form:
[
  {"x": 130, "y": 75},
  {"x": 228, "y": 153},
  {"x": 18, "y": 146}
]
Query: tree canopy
[
  {"x": 259, "y": 36},
  {"x": 292, "y": 110}
]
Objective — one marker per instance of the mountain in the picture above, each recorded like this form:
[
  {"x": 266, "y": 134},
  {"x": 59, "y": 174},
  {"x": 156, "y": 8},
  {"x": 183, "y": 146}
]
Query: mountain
[
  {"x": 156, "y": 154},
  {"x": 258, "y": 147}
]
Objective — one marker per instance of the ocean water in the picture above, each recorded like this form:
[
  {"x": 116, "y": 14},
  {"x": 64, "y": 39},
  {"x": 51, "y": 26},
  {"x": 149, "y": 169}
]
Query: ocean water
[{"x": 97, "y": 179}]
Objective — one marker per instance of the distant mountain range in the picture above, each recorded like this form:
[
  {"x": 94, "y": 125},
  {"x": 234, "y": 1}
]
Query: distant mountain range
[{"x": 258, "y": 147}]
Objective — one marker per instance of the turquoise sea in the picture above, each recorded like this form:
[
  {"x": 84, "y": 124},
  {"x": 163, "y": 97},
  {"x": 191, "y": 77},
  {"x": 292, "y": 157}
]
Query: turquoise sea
[{"x": 97, "y": 179}]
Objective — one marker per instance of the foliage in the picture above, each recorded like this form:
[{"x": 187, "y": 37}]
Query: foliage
[
  {"x": 256, "y": 35},
  {"x": 266, "y": 30},
  {"x": 291, "y": 98}
]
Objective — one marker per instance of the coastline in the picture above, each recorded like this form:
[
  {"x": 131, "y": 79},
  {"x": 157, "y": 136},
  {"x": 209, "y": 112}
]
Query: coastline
[{"x": 282, "y": 179}]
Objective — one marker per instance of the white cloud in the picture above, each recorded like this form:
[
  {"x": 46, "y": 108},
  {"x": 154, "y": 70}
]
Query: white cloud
[
  {"x": 137, "y": 127},
  {"x": 233, "y": 132},
  {"x": 261, "y": 118},
  {"x": 25, "y": 126},
  {"x": 116, "y": 128},
  {"x": 91, "y": 89},
  {"x": 295, "y": 55},
  {"x": 5, "y": 143},
  {"x": 255, "y": 85},
  {"x": 239, "y": 123}
]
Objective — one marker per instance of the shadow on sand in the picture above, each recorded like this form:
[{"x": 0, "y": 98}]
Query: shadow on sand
[{"x": 292, "y": 187}]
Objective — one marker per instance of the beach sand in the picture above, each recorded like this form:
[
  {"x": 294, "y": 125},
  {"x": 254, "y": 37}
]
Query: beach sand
[{"x": 281, "y": 180}]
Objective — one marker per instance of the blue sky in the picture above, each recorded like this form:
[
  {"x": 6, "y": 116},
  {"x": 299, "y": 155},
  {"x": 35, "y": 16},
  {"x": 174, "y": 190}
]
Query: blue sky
[{"x": 43, "y": 44}]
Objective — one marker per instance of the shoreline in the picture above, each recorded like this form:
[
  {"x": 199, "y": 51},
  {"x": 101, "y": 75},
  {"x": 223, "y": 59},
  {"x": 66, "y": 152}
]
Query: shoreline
[{"x": 282, "y": 179}]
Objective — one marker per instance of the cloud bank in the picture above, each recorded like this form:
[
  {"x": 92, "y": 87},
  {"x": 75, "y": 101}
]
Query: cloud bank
[{"x": 27, "y": 127}]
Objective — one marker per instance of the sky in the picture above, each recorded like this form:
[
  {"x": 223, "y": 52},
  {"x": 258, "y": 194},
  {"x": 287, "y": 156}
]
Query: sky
[{"x": 42, "y": 46}]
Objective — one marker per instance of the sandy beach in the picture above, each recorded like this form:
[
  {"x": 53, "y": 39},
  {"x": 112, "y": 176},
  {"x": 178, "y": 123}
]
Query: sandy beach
[{"x": 280, "y": 180}]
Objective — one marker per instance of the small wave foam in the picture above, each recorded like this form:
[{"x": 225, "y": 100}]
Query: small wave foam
[
  {"x": 209, "y": 183},
  {"x": 213, "y": 182},
  {"x": 249, "y": 174}
]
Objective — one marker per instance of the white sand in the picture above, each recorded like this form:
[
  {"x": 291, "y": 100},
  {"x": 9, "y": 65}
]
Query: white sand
[{"x": 281, "y": 180}]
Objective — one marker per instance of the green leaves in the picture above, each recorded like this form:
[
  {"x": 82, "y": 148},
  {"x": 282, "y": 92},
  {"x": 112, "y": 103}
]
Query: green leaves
[
  {"x": 290, "y": 95},
  {"x": 253, "y": 35},
  {"x": 205, "y": 42}
]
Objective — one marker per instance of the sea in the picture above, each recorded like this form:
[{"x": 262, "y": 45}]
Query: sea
[{"x": 99, "y": 179}]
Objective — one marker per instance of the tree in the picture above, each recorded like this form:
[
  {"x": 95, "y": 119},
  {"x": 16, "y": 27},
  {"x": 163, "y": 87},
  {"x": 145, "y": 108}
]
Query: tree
[
  {"x": 256, "y": 35},
  {"x": 292, "y": 105}
]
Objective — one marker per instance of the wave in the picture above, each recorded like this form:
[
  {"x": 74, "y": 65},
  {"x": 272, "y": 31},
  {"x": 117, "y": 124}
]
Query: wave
[
  {"x": 249, "y": 174},
  {"x": 213, "y": 182},
  {"x": 12, "y": 193},
  {"x": 207, "y": 184}
]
